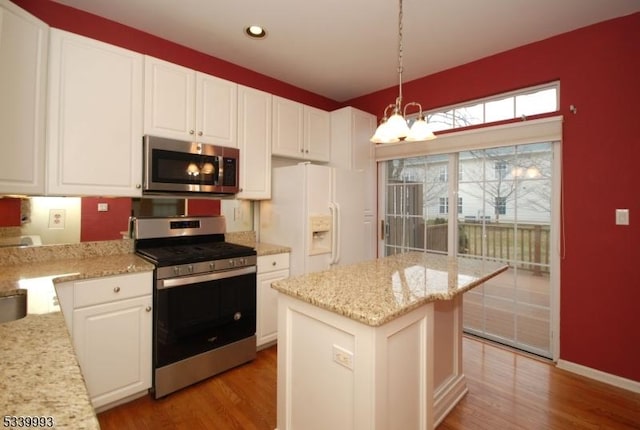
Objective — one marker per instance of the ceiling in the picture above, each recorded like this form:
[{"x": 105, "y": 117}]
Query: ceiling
[{"x": 343, "y": 49}]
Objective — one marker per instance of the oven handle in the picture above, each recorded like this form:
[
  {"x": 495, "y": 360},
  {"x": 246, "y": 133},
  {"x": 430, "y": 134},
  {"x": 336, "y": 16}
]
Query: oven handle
[{"x": 177, "y": 282}]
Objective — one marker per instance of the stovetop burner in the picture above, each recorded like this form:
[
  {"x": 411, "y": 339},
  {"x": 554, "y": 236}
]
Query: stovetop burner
[
  {"x": 193, "y": 253},
  {"x": 184, "y": 240}
]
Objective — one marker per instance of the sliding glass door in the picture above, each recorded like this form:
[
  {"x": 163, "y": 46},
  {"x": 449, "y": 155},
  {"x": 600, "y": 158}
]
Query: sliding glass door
[
  {"x": 497, "y": 204},
  {"x": 506, "y": 216}
]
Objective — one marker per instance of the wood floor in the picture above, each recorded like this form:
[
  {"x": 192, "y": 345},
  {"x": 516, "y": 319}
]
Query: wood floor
[{"x": 507, "y": 390}]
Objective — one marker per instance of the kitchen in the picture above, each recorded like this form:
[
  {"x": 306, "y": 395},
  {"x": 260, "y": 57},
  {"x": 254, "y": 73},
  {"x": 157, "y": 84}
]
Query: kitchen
[{"x": 581, "y": 295}]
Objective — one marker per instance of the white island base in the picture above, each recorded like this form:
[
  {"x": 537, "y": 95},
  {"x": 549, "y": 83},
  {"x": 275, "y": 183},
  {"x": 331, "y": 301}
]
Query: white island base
[{"x": 338, "y": 373}]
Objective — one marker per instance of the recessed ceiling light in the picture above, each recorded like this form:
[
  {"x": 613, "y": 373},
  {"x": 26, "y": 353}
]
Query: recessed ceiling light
[{"x": 255, "y": 32}]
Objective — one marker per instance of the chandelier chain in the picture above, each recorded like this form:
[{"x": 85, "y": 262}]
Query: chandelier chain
[{"x": 400, "y": 66}]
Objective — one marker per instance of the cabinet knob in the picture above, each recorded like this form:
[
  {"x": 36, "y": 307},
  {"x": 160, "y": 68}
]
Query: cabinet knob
[
  {"x": 273, "y": 264},
  {"x": 148, "y": 309},
  {"x": 306, "y": 151},
  {"x": 191, "y": 131},
  {"x": 138, "y": 186},
  {"x": 302, "y": 150},
  {"x": 199, "y": 133},
  {"x": 116, "y": 290}
]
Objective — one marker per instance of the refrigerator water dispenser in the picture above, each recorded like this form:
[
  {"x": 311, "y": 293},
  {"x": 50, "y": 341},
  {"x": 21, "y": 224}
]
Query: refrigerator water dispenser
[{"x": 320, "y": 234}]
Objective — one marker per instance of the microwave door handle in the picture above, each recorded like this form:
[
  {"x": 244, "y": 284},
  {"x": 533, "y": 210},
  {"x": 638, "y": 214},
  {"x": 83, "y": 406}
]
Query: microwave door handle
[{"x": 216, "y": 174}]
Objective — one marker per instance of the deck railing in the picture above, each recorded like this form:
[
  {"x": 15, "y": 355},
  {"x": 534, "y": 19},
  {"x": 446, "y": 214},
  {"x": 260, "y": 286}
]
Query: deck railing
[{"x": 527, "y": 246}]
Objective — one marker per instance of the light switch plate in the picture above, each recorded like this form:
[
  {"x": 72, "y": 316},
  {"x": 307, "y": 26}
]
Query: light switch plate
[{"x": 622, "y": 216}]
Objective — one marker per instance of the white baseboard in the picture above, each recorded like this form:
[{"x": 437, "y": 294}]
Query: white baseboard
[
  {"x": 447, "y": 397},
  {"x": 598, "y": 375}
]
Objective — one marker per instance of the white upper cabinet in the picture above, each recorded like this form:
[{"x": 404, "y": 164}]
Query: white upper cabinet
[
  {"x": 183, "y": 104},
  {"x": 254, "y": 142},
  {"x": 300, "y": 131},
  {"x": 351, "y": 149},
  {"x": 23, "y": 60},
  {"x": 94, "y": 136}
]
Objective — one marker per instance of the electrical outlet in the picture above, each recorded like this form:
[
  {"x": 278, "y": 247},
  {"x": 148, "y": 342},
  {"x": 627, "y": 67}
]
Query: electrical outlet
[
  {"x": 622, "y": 216},
  {"x": 103, "y": 207},
  {"x": 343, "y": 357}
]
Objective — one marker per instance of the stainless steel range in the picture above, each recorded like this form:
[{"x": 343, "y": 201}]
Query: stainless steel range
[{"x": 204, "y": 319}]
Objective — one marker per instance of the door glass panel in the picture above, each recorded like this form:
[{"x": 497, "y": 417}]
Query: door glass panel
[
  {"x": 507, "y": 194},
  {"x": 417, "y": 205}
]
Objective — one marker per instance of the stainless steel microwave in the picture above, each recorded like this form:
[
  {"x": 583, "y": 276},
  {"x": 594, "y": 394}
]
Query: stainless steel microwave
[{"x": 180, "y": 167}]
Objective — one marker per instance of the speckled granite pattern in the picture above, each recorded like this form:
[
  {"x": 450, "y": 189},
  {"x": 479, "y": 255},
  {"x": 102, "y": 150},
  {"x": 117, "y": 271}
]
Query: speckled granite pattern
[
  {"x": 248, "y": 238},
  {"x": 39, "y": 373},
  {"x": 71, "y": 269},
  {"x": 376, "y": 292},
  {"x": 34, "y": 254},
  {"x": 10, "y": 232}
]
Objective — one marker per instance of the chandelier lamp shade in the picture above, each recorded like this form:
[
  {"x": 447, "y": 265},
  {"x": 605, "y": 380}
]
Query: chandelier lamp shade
[{"x": 395, "y": 128}]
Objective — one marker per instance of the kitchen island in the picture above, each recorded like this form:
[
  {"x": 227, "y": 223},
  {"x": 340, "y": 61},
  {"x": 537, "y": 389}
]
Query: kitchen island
[{"x": 375, "y": 345}]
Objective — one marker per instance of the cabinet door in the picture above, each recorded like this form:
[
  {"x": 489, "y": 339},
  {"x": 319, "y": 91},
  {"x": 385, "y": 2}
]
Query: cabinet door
[
  {"x": 267, "y": 311},
  {"x": 95, "y": 118},
  {"x": 169, "y": 100},
  {"x": 113, "y": 346},
  {"x": 254, "y": 139},
  {"x": 317, "y": 134},
  {"x": 23, "y": 59},
  {"x": 288, "y": 121},
  {"x": 363, "y": 158},
  {"x": 216, "y": 111}
]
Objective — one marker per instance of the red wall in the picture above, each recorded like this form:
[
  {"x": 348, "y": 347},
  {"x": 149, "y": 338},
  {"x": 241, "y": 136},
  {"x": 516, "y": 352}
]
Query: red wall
[
  {"x": 10, "y": 212},
  {"x": 107, "y": 225},
  {"x": 203, "y": 207},
  {"x": 76, "y": 21},
  {"x": 598, "y": 67},
  {"x": 599, "y": 72}
]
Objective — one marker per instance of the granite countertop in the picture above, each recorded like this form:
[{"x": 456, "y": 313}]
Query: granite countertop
[
  {"x": 39, "y": 372},
  {"x": 376, "y": 292},
  {"x": 40, "y": 375},
  {"x": 248, "y": 238}
]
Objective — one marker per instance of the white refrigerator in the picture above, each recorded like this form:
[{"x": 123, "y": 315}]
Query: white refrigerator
[{"x": 317, "y": 211}]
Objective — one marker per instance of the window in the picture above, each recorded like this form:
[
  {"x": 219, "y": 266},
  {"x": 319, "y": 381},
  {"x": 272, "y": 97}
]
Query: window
[
  {"x": 500, "y": 169},
  {"x": 444, "y": 205},
  {"x": 501, "y": 205},
  {"x": 517, "y": 104},
  {"x": 442, "y": 177}
]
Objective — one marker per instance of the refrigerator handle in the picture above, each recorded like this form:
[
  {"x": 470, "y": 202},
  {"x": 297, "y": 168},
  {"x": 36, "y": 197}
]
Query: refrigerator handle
[{"x": 335, "y": 232}]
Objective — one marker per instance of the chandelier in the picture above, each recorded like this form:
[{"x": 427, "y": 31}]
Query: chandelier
[{"x": 395, "y": 128}]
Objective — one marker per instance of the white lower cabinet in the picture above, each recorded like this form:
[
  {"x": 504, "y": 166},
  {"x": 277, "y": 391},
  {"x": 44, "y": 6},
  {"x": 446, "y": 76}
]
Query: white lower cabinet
[
  {"x": 110, "y": 320},
  {"x": 271, "y": 268}
]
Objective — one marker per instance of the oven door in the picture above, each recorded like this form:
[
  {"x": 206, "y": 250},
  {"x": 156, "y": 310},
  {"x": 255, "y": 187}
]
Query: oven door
[
  {"x": 180, "y": 166},
  {"x": 195, "y": 314}
]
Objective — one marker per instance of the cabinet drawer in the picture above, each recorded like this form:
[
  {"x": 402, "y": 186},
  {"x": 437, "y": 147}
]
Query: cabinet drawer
[
  {"x": 107, "y": 289},
  {"x": 268, "y": 263}
]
